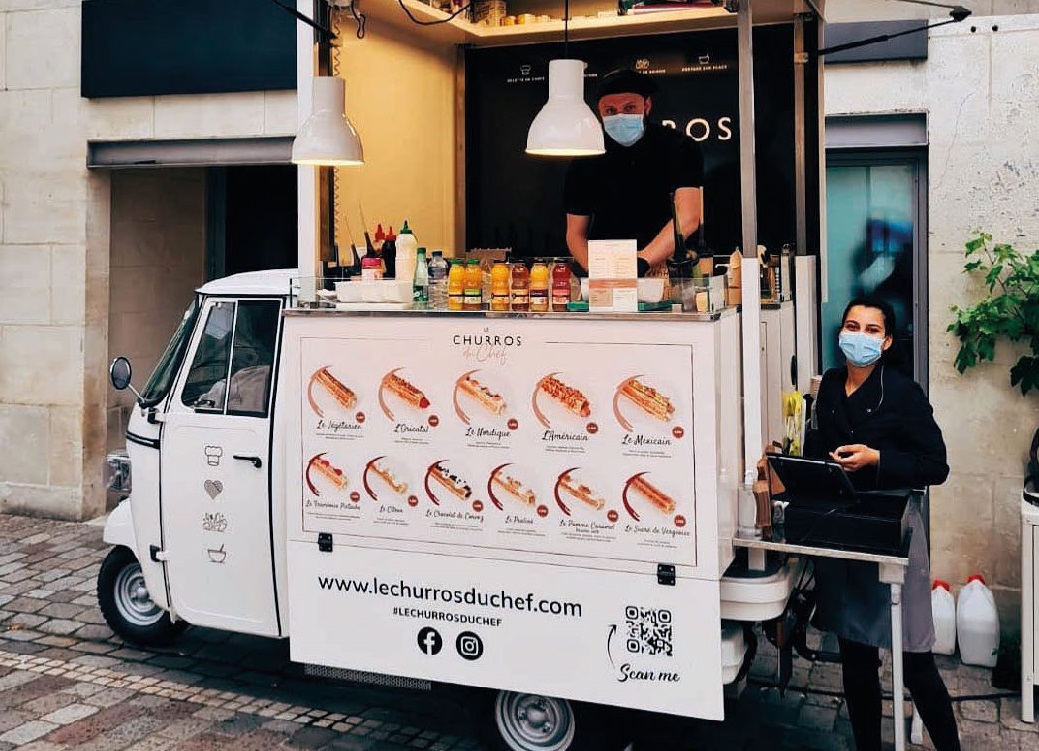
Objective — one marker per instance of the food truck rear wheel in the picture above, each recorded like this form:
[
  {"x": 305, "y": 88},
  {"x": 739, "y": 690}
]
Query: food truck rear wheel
[
  {"x": 530, "y": 722},
  {"x": 126, "y": 604}
]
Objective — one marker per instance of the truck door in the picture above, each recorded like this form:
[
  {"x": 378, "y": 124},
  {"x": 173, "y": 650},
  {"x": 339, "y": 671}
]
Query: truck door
[{"x": 215, "y": 472}]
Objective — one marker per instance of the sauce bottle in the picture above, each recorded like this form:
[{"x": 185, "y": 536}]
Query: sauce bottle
[
  {"x": 539, "y": 287},
  {"x": 520, "y": 287},
  {"x": 406, "y": 252},
  {"x": 560, "y": 286},
  {"x": 473, "y": 286},
  {"x": 500, "y": 287},
  {"x": 456, "y": 286}
]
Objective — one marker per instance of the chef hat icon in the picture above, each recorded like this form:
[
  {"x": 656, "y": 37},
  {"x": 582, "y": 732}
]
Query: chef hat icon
[{"x": 213, "y": 454}]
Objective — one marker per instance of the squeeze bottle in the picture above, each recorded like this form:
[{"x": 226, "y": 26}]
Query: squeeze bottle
[{"x": 407, "y": 251}]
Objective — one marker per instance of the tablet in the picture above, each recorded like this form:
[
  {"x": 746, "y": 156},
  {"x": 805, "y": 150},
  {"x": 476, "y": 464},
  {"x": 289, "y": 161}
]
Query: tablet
[{"x": 812, "y": 479}]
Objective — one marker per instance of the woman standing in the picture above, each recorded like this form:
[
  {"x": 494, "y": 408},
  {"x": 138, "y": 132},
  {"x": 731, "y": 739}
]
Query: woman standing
[{"x": 878, "y": 424}]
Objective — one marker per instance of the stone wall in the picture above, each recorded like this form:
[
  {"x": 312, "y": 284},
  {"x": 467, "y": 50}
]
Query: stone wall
[
  {"x": 54, "y": 248},
  {"x": 978, "y": 89},
  {"x": 158, "y": 252}
]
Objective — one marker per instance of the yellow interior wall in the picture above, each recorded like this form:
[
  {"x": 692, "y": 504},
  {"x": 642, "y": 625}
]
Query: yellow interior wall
[{"x": 400, "y": 95}]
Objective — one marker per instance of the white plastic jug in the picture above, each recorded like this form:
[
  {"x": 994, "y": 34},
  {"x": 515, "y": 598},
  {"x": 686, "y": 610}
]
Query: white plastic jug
[
  {"x": 977, "y": 624},
  {"x": 943, "y": 610}
]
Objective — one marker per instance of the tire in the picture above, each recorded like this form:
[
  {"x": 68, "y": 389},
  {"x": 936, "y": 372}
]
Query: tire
[
  {"x": 512, "y": 721},
  {"x": 126, "y": 604}
]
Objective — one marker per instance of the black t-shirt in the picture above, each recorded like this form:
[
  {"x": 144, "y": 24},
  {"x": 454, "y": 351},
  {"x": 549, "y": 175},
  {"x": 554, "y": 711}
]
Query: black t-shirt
[{"x": 627, "y": 190}]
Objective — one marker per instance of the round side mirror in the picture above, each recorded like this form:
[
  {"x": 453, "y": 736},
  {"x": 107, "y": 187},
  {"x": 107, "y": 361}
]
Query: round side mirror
[{"x": 120, "y": 373}]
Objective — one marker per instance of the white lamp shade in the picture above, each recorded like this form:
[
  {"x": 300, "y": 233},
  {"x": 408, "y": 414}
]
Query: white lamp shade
[
  {"x": 566, "y": 125},
  {"x": 327, "y": 138}
]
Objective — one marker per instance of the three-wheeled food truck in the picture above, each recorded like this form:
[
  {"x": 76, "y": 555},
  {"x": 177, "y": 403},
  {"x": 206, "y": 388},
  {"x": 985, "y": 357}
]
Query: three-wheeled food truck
[{"x": 542, "y": 505}]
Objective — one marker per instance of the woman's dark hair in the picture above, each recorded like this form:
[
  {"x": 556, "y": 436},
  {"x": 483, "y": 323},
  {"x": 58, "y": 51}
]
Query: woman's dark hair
[{"x": 876, "y": 303}]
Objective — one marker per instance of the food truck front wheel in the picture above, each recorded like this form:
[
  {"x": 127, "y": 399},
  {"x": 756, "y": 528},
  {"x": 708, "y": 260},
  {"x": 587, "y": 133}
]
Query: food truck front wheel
[
  {"x": 126, "y": 604},
  {"x": 513, "y": 721}
]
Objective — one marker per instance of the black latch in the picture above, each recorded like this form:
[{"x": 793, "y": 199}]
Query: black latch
[
  {"x": 156, "y": 553},
  {"x": 324, "y": 542},
  {"x": 666, "y": 574}
]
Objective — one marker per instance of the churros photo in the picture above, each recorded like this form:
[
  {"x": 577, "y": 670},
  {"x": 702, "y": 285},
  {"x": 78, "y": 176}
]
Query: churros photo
[
  {"x": 451, "y": 481},
  {"x": 648, "y": 399},
  {"x": 658, "y": 498},
  {"x": 404, "y": 389},
  {"x": 513, "y": 488},
  {"x": 581, "y": 492},
  {"x": 344, "y": 397},
  {"x": 325, "y": 470},
  {"x": 568, "y": 397},
  {"x": 482, "y": 395},
  {"x": 381, "y": 470}
]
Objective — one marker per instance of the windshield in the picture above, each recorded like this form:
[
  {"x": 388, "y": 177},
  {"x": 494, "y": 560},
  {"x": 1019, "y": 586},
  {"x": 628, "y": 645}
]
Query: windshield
[{"x": 158, "y": 385}]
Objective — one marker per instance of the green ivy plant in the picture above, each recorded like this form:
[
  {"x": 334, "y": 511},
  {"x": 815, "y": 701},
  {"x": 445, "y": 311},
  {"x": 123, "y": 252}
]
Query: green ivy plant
[{"x": 1010, "y": 312}]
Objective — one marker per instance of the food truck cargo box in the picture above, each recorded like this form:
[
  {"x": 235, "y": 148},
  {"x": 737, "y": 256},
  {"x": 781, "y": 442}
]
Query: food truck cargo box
[{"x": 539, "y": 504}]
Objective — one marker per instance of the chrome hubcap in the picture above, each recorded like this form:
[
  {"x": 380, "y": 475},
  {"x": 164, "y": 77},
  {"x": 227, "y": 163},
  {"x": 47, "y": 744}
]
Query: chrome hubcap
[
  {"x": 528, "y": 722},
  {"x": 132, "y": 598}
]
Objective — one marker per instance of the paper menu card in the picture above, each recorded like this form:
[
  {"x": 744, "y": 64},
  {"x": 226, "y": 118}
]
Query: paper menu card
[{"x": 613, "y": 276}]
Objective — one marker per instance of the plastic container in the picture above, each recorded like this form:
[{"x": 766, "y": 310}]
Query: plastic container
[
  {"x": 371, "y": 268},
  {"x": 977, "y": 624},
  {"x": 456, "y": 286},
  {"x": 438, "y": 270},
  {"x": 943, "y": 611},
  {"x": 420, "y": 287},
  {"x": 406, "y": 252},
  {"x": 520, "y": 287},
  {"x": 473, "y": 286}
]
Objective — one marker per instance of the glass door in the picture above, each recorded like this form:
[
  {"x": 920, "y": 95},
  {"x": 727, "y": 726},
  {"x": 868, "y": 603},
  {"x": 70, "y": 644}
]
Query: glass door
[{"x": 876, "y": 246}]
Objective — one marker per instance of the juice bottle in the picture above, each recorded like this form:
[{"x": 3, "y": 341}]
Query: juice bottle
[
  {"x": 539, "y": 288},
  {"x": 456, "y": 286},
  {"x": 560, "y": 286},
  {"x": 500, "y": 287},
  {"x": 520, "y": 287},
  {"x": 473, "y": 286}
]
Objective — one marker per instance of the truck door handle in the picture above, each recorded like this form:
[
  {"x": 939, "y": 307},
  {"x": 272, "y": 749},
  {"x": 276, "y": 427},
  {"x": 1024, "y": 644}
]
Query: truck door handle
[{"x": 254, "y": 460}]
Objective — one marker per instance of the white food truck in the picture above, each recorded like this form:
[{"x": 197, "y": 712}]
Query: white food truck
[{"x": 538, "y": 506}]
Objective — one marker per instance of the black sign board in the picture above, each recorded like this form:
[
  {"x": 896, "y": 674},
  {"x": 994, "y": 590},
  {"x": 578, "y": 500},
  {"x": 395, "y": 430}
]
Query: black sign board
[{"x": 515, "y": 200}]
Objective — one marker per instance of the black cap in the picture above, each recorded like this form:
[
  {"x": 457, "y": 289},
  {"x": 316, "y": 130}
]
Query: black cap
[{"x": 625, "y": 81}]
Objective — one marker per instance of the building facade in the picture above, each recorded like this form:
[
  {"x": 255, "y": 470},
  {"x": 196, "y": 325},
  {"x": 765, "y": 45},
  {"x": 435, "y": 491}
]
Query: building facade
[{"x": 99, "y": 262}]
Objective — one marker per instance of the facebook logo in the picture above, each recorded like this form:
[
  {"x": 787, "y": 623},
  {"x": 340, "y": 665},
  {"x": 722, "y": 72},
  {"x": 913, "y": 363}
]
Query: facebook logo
[{"x": 429, "y": 641}]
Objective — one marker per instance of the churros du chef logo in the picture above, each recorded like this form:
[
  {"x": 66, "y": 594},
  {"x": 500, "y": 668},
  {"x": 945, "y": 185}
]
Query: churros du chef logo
[{"x": 487, "y": 346}]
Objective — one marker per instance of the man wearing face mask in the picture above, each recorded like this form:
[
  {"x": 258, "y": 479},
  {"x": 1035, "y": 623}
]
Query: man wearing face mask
[{"x": 626, "y": 192}]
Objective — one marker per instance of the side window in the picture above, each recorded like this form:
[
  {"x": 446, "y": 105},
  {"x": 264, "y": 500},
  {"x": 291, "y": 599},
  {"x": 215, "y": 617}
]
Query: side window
[
  {"x": 252, "y": 358},
  {"x": 204, "y": 388},
  {"x": 237, "y": 348}
]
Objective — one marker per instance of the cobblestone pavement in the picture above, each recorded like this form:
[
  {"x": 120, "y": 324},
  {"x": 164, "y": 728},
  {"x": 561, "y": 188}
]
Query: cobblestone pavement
[{"x": 66, "y": 682}]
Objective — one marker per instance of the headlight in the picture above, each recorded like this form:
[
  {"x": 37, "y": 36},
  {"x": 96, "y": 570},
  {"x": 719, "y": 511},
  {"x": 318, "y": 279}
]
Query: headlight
[{"x": 119, "y": 473}]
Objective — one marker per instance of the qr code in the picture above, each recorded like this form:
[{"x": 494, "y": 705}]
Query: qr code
[{"x": 649, "y": 631}]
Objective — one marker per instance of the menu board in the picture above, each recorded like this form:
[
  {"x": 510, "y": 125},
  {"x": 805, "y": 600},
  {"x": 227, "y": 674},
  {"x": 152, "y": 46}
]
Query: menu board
[{"x": 489, "y": 437}]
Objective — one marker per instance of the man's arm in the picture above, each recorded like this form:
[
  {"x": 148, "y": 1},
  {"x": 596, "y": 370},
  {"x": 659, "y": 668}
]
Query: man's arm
[
  {"x": 662, "y": 247},
  {"x": 577, "y": 238}
]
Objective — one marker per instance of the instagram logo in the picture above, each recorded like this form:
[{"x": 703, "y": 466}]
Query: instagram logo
[{"x": 469, "y": 645}]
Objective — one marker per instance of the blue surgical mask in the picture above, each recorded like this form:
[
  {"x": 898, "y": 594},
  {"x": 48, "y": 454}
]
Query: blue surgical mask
[
  {"x": 860, "y": 348},
  {"x": 624, "y": 129}
]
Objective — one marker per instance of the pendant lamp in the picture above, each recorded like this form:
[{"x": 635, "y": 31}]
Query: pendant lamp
[
  {"x": 327, "y": 138},
  {"x": 566, "y": 125}
]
